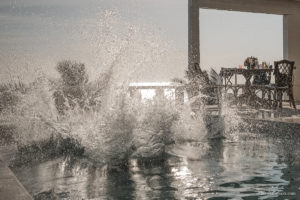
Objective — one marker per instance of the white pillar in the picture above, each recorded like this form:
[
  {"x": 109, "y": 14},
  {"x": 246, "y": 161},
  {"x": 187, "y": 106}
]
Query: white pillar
[
  {"x": 292, "y": 47},
  {"x": 193, "y": 34}
]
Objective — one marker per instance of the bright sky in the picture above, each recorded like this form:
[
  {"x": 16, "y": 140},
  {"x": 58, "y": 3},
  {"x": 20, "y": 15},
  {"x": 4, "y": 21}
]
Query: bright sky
[
  {"x": 146, "y": 40},
  {"x": 227, "y": 37}
]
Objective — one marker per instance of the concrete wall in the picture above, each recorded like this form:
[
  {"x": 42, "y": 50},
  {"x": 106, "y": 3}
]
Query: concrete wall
[
  {"x": 292, "y": 40},
  {"x": 290, "y": 9}
]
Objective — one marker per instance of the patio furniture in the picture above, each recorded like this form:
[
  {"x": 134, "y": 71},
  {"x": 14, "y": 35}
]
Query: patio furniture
[
  {"x": 249, "y": 91},
  {"x": 283, "y": 72}
]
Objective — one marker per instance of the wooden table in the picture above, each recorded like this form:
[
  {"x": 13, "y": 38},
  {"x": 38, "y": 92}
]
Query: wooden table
[{"x": 227, "y": 74}]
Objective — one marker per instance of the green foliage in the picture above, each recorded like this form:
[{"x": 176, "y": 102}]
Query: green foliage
[
  {"x": 198, "y": 85},
  {"x": 47, "y": 149},
  {"x": 72, "y": 73},
  {"x": 73, "y": 87},
  {"x": 75, "y": 90},
  {"x": 9, "y": 95}
]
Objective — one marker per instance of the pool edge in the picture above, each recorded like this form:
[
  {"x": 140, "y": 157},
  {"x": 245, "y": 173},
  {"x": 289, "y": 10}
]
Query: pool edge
[{"x": 10, "y": 187}]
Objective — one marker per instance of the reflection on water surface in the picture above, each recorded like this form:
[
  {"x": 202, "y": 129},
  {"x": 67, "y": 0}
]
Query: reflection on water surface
[{"x": 250, "y": 169}]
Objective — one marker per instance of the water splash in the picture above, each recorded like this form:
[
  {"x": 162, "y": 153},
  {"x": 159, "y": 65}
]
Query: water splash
[{"x": 103, "y": 119}]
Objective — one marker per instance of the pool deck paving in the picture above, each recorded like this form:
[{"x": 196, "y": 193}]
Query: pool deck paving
[
  {"x": 283, "y": 122},
  {"x": 10, "y": 187},
  {"x": 285, "y": 114}
]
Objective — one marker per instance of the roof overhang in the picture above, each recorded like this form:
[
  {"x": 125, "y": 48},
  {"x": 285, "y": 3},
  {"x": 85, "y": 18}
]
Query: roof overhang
[{"x": 281, "y": 7}]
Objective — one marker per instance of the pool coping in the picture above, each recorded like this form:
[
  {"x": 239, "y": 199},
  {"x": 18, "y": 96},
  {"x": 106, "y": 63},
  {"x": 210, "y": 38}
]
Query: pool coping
[
  {"x": 276, "y": 128},
  {"x": 10, "y": 187}
]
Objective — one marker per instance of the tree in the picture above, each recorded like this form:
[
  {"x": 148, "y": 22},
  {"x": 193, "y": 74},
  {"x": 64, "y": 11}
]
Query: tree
[{"x": 73, "y": 85}]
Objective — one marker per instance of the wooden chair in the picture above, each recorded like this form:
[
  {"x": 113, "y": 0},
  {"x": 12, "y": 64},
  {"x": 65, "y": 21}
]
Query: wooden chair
[{"x": 283, "y": 72}]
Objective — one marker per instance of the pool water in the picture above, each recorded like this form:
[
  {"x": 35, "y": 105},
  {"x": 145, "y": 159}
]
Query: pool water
[{"x": 247, "y": 169}]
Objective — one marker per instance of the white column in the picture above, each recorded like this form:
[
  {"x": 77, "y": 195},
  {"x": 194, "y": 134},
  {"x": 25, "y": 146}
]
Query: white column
[
  {"x": 292, "y": 47},
  {"x": 194, "y": 37}
]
